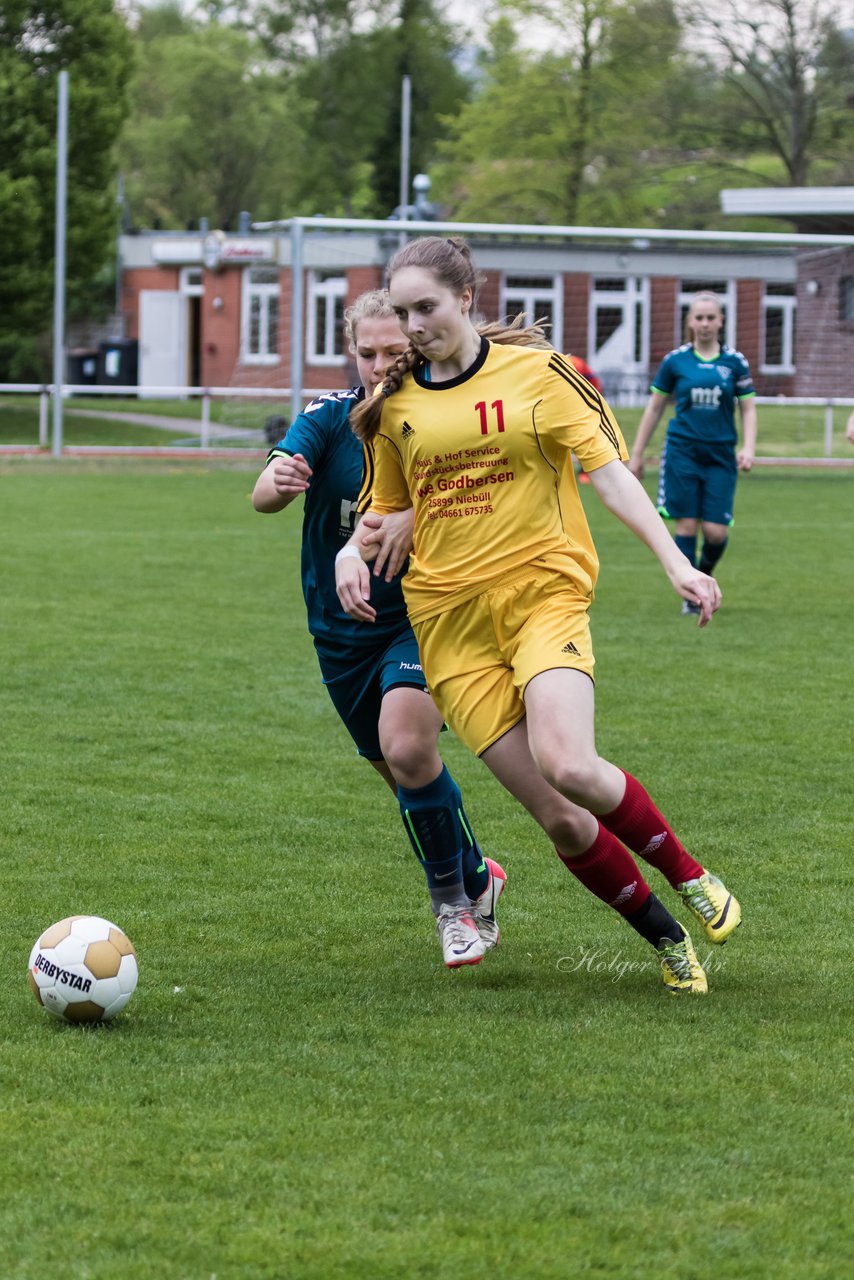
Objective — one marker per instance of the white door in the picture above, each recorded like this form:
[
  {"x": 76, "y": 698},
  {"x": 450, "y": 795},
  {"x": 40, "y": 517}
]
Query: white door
[
  {"x": 618, "y": 339},
  {"x": 162, "y": 339}
]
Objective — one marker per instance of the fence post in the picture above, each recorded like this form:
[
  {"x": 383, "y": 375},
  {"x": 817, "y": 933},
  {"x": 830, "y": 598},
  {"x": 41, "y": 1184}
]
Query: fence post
[
  {"x": 828, "y": 429},
  {"x": 204, "y": 440},
  {"x": 43, "y": 408}
]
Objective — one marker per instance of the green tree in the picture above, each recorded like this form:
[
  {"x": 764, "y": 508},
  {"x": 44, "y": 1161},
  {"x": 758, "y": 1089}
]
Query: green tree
[
  {"x": 787, "y": 69},
  {"x": 530, "y": 144},
  {"x": 419, "y": 45},
  {"x": 211, "y": 128},
  {"x": 345, "y": 60},
  {"x": 647, "y": 162},
  {"x": 36, "y": 41}
]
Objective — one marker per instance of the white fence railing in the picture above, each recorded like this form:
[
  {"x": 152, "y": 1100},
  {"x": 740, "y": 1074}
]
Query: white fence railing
[
  {"x": 205, "y": 395},
  {"x": 209, "y": 431}
]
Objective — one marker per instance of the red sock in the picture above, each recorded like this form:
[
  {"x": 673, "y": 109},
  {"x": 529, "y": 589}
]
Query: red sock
[
  {"x": 640, "y": 825},
  {"x": 610, "y": 871}
]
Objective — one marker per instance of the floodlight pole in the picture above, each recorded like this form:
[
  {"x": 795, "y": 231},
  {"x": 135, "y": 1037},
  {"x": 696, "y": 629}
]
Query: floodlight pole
[
  {"x": 405, "y": 134},
  {"x": 59, "y": 260},
  {"x": 405, "y": 137}
]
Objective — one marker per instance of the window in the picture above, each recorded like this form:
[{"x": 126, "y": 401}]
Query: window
[
  {"x": 327, "y": 293},
  {"x": 778, "y": 328},
  {"x": 725, "y": 289},
  {"x": 846, "y": 298},
  {"x": 538, "y": 298},
  {"x": 190, "y": 282},
  {"x": 618, "y": 340},
  {"x": 260, "y": 321}
]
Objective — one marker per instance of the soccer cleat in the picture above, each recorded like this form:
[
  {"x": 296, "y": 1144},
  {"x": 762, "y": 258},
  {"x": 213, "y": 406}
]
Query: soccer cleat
[
  {"x": 680, "y": 969},
  {"x": 709, "y": 902},
  {"x": 483, "y": 908},
  {"x": 689, "y": 607},
  {"x": 459, "y": 935}
]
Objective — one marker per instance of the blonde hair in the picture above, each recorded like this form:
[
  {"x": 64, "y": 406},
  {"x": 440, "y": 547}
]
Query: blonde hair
[
  {"x": 450, "y": 261},
  {"x": 704, "y": 295},
  {"x": 373, "y": 305}
]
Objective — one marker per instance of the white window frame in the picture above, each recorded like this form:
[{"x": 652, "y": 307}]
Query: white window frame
[
  {"x": 788, "y": 305},
  {"x": 191, "y": 283},
  {"x": 263, "y": 291},
  {"x": 728, "y": 299},
  {"x": 328, "y": 291},
  {"x": 524, "y": 298},
  {"x": 634, "y": 299}
]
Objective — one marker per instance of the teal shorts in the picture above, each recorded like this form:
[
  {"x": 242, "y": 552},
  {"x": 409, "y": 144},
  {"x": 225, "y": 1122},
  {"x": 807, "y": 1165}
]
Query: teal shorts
[
  {"x": 358, "y": 683},
  {"x": 697, "y": 481}
]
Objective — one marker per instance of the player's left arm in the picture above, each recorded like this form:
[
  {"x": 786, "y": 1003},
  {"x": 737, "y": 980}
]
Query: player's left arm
[
  {"x": 747, "y": 452},
  {"x": 625, "y": 497}
]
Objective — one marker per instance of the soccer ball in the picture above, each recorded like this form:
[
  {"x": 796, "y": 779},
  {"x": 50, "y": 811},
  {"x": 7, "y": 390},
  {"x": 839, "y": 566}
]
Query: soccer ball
[{"x": 83, "y": 969}]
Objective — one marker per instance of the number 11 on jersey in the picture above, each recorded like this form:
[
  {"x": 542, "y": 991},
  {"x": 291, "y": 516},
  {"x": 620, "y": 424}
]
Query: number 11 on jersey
[{"x": 498, "y": 406}]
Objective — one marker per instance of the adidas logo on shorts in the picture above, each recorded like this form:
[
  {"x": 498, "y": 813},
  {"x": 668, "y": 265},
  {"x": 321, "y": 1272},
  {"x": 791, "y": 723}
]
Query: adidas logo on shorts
[{"x": 570, "y": 648}]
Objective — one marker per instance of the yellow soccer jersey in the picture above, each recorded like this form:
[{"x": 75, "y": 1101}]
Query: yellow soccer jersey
[{"x": 484, "y": 460}]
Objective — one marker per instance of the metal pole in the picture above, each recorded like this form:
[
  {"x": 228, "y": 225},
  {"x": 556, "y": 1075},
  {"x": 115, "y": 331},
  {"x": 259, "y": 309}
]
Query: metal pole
[
  {"x": 59, "y": 260},
  {"x": 297, "y": 318},
  {"x": 406, "y": 131},
  {"x": 828, "y": 429},
  {"x": 405, "y": 134},
  {"x": 120, "y": 201},
  {"x": 43, "y": 417},
  {"x": 205, "y": 437}
]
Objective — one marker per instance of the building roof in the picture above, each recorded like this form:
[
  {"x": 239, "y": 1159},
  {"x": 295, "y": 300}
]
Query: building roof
[{"x": 825, "y": 209}]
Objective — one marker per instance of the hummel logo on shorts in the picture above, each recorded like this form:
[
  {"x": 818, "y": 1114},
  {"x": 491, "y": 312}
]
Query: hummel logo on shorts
[
  {"x": 570, "y": 648},
  {"x": 407, "y": 431}
]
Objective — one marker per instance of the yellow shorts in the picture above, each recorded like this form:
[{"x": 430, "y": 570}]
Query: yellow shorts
[{"x": 479, "y": 657}]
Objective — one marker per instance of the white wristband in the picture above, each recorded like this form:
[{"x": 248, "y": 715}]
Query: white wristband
[{"x": 347, "y": 551}]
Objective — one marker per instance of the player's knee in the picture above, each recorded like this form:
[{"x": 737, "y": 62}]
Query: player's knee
[
  {"x": 574, "y": 777},
  {"x": 568, "y": 827},
  {"x": 411, "y": 756}
]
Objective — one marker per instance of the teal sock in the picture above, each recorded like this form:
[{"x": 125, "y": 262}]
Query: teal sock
[
  {"x": 475, "y": 870},
  {"x": 434, "y": 822},
  {"x": 711, "y": 554},
  {"x": 687, "y": 544}
]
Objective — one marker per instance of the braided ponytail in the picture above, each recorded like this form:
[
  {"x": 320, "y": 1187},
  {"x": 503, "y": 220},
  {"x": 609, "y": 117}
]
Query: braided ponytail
[{"x": 365, "y": 418}]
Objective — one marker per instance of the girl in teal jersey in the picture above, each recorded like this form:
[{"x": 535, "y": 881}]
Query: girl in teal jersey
[
  {"x": 701, "y": 459},
  {"x": 374, "y": 675}
]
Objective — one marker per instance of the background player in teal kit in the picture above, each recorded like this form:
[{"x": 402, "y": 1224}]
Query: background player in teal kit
[
  {"x": 700, "y": 461},
  {"x": 373, "y": 673}
]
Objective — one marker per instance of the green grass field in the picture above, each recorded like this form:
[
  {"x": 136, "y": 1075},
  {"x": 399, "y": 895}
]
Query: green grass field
[{"x": 299, "y": 1090}]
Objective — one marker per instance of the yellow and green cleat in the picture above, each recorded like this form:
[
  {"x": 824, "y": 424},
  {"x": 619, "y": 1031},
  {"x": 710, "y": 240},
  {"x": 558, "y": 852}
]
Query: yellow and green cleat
[
  {"x": 709, "y": 901},
  {"x": 681, "y": 971}
]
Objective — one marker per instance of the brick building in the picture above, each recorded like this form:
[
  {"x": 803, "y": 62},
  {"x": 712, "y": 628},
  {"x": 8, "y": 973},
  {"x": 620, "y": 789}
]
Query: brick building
[
  {"x": 215, "y": 309},
  {"x": 824, "y": 280}
]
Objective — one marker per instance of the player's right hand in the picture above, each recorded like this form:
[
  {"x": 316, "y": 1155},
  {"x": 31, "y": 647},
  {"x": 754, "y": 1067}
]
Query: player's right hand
[
  {"x": 291, "y": 475},
  {"x": 636, "y": 467},
  {"x": 353, "y": 584},
  {"x": 391, "y": 536}
]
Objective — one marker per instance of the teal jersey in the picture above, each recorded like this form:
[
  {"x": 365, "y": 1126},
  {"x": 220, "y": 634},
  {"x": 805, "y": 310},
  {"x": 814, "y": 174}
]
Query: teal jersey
[
  {"x": 705, "y": 393},
  {"x": 322, "y": 434}
]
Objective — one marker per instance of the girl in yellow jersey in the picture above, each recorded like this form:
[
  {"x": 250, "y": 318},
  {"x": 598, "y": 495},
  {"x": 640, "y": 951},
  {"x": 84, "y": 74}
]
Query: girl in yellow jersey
[{"x": 476, "y": 436}]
